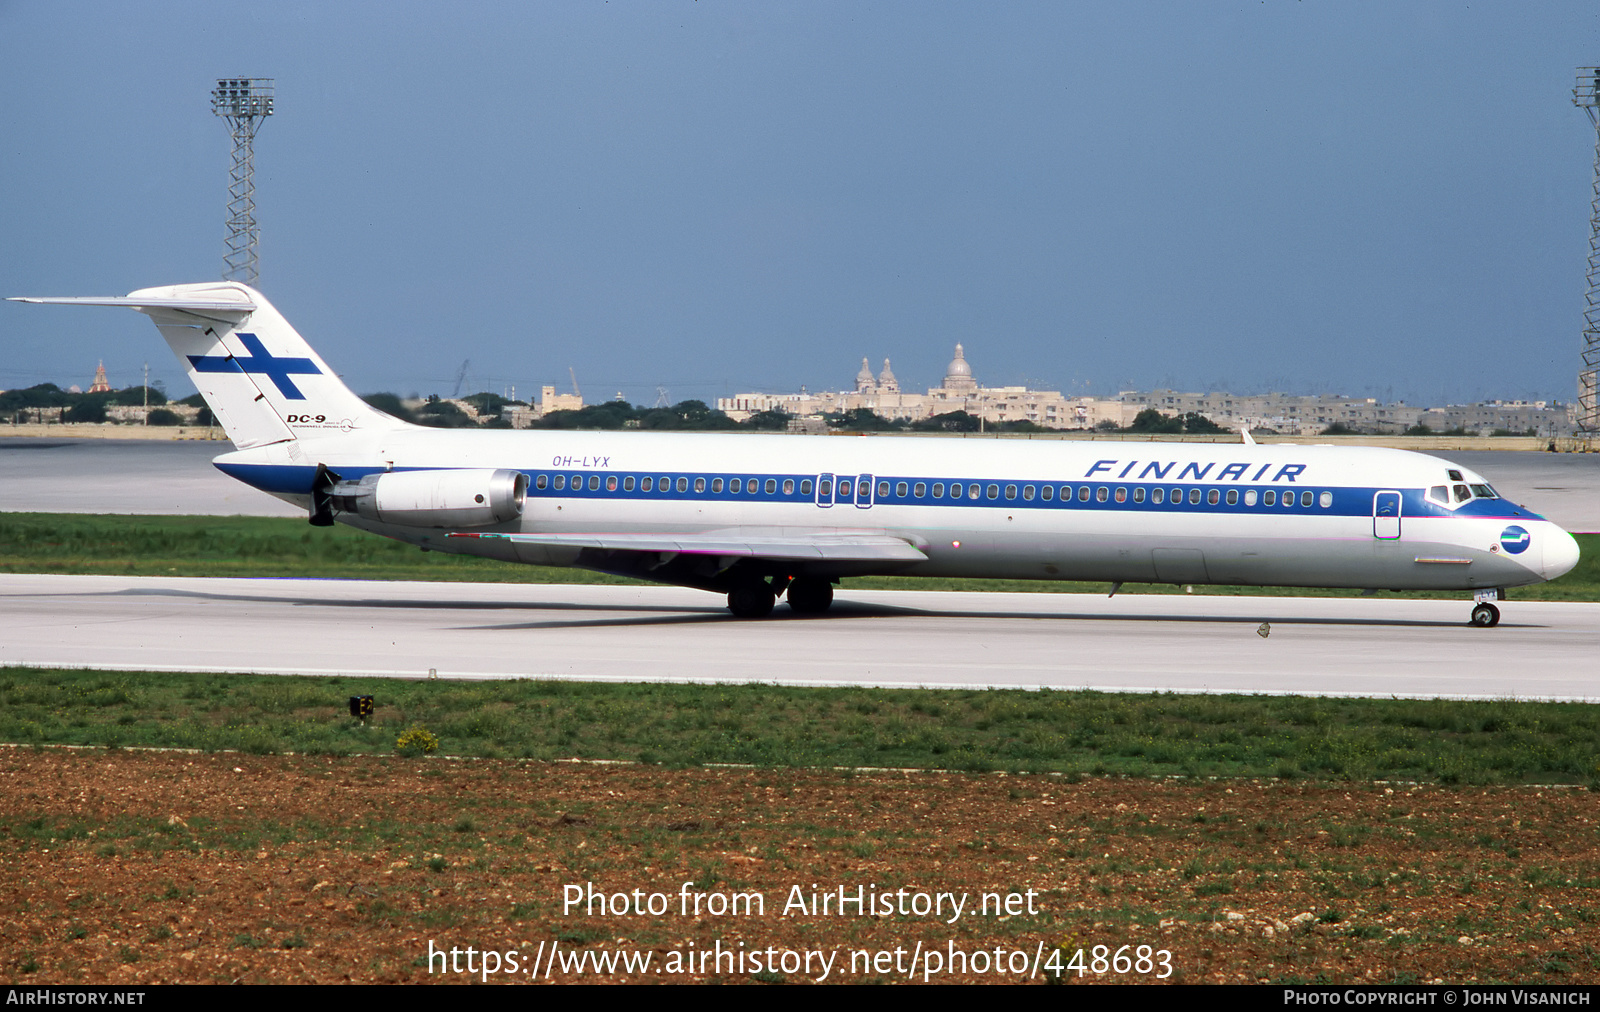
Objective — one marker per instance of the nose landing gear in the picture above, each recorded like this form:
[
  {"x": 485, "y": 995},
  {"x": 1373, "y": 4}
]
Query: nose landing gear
[{"x": 1484, "y": 614}]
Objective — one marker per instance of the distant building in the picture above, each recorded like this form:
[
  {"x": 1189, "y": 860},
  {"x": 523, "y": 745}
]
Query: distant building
[
  {"x": 959, "y": 391},
  {"x": 100, "y": 386}
]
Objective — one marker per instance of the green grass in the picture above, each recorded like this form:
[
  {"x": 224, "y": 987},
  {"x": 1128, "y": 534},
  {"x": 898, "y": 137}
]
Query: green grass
[
  {"x": 282, "y": 547},
  {"x": 1059, "y": 731}
]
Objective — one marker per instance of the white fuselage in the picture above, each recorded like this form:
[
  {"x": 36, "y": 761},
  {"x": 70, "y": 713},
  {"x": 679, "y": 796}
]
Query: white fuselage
[{"x": 1292, "y": 515}]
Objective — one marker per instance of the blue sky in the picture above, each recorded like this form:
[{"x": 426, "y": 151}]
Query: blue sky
[{"x": 1385, "y": 199}]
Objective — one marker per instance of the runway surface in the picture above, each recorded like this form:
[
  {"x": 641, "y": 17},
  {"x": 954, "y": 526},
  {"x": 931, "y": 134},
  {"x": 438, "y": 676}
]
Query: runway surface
[
  {"x": 1315, "y": 646},
  {"x": 148, "y": 477}
]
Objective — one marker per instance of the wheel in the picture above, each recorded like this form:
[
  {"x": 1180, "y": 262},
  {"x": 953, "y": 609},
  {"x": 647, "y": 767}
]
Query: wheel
[
  {"x": 751, "y": 600},
  {"x": 1485, "y": 615},
  {"x": 810, "y": 596}
]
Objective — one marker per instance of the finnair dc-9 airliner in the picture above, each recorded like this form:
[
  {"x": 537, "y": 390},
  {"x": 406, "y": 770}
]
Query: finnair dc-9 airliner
[{"x": 759, "y": 517}]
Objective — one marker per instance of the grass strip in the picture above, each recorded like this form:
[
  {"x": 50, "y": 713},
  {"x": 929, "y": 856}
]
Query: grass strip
[
  {"x": 778, "y": 726},
  {"x": 283, "y": 547}
]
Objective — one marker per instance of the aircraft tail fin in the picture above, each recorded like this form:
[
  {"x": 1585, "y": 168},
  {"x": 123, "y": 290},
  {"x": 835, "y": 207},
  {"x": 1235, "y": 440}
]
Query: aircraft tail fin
[{"x": 260, "y": 378}]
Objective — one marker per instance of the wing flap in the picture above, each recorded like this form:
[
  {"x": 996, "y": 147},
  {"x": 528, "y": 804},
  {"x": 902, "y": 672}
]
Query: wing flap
[{"x": 832, "y": 547}]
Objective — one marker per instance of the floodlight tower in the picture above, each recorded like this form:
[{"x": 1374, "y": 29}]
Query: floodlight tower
[
  {"x": 1586, "y": 96},
  {"x": 244, "y": 102}
]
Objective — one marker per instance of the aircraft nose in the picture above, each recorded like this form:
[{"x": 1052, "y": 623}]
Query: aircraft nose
[{"x": 1560, "y": 553}]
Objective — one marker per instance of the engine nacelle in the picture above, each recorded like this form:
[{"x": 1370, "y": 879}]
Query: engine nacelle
[{"x": 435, "y": 498}]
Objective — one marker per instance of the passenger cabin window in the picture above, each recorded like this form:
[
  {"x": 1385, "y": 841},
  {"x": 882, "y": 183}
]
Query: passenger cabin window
[
  {"x": 772, "y": 485},
  {"x": 751, "y": 486},
  {"x": 1083, "y": 493},
  {"x": 844, "y": 488},
  {"x": 1249, "y": 497},
  {"x": 716, "y": 485},
  {"x": 972, "y": 491},
  {"x": 1305, "y": 498},
  {"x": 561, "y": 482},
  {"x": 1325, "y": 500},
  {"x": 543, "y": 482},
  {"x": 1047, "y": 492},
  {"x": 805, "y": 486},
  {"x": 1233, "y": 497},
  {"x": 1011, "y": 491},
  {"x": 788, "y": 486},
  {"x": 699, "y": 484},
  {"x": 1138, "y": 494},
  {"x": 611, "y": 483},
  {"x": 921, "y": 489},
  {"x": 1122, "y": 495},
  {"x": 1213, "y": 497},
  {"x": 1194, "y": 497},
  {"x": 993, "y": 491},
  {"x": 594, "y": 483},
  {"x": 683, "y": 484},
  {"x": 900, "y": 489},
  {"x": 646, "y": 484},
  {"x": 1101, "y": 494},
  {"x": 627, "y": 483},
  {"x": 938, "y": 489},
  {"x": 1269, "y": 497},
  {"x": 1027, "y": 492},
  {"x": 1158, "y": 495},
  {"x": 883, "y": 489},
  {"x": 735, "y": 484}
]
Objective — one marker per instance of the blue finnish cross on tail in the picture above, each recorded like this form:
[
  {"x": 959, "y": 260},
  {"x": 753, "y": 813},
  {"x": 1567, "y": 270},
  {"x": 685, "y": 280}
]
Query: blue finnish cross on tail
[{"x": 260, "y": 361}]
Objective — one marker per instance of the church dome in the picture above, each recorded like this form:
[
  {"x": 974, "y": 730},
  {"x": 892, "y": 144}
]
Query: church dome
[
  {"x": 864, "y": 379},
  {"x": 958, "y": 375}
]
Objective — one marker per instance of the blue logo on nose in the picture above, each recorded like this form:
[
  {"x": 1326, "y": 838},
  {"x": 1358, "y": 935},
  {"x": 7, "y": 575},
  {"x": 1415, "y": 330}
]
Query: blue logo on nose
[{"x": 1515, "y": 539}]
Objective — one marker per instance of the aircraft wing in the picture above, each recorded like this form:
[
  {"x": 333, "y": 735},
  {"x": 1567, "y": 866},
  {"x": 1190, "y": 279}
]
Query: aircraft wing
[{"x": 833, "y": 546}]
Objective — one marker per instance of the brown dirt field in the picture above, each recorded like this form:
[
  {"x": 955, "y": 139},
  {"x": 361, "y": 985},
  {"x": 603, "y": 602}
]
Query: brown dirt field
[{"x": 144, "y": 867}]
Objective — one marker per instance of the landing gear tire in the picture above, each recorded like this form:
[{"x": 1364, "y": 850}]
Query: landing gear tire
[
  {"x": 809, "y": 596},
  {"x": 1485, "y": 616},
  {"x": 752, "y": 600}
]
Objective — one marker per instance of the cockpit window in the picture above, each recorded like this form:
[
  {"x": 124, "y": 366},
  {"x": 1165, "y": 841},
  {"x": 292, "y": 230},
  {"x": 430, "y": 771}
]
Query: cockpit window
[
  {"x": 1454, "y": 475},
  {"x": 1440, "y": 494},
  {"x": 1462, "y": 493},
  {"x": 1484, "y": 492}
]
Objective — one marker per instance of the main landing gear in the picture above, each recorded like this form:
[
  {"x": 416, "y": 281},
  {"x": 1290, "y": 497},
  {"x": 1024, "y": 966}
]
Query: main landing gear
[
  {"x": 755, "y": 599},
  {"x": 1484, "y": 614}
]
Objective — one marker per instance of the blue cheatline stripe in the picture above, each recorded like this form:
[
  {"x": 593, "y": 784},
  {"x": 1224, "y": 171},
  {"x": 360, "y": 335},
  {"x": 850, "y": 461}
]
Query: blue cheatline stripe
[{"x": 1347, "y": 501}]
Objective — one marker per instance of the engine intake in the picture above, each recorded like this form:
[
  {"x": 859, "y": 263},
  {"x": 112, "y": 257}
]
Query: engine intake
[{"x": 435, "y": 498}]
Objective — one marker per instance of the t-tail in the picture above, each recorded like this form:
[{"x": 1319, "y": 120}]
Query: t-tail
[{"x": 260, "y": 378}]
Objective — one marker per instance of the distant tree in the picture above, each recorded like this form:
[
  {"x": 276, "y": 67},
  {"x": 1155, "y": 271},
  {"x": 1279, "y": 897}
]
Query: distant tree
[
  {"x": 197, "y": 401},
  {"x": 389, "y": 404},
  {"x": 610, "y": 415},
  {"x": 950, "y": 421},
  {"x": 862, "y": 420},
  {"x": 1020, "y": 425},
  {"x": 1106, "y": 425},
  {"x": 45, "y": 395},
  {"x": 1151, "y": 420},
  {"x": 442, "y": 414},
  {"x": 487, "y": 403},
  {"x": 88, "y": 409},
  {"x": 1419, "y": 430},
  {"x": 768, "y": 421},
  {"x": 205, "y": 417},
  {"x": 135, "y": 397},
  {"x": 1340, "y": 429},
  {"x": 1200, "y": 425},
  {"x": 161, "y": 416}
]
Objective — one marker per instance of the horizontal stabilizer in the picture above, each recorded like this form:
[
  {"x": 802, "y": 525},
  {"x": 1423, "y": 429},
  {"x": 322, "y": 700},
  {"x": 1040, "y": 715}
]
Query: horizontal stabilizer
[
  {"x": 240, "y": 305},
  {"x": 833, "y": 547}
]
